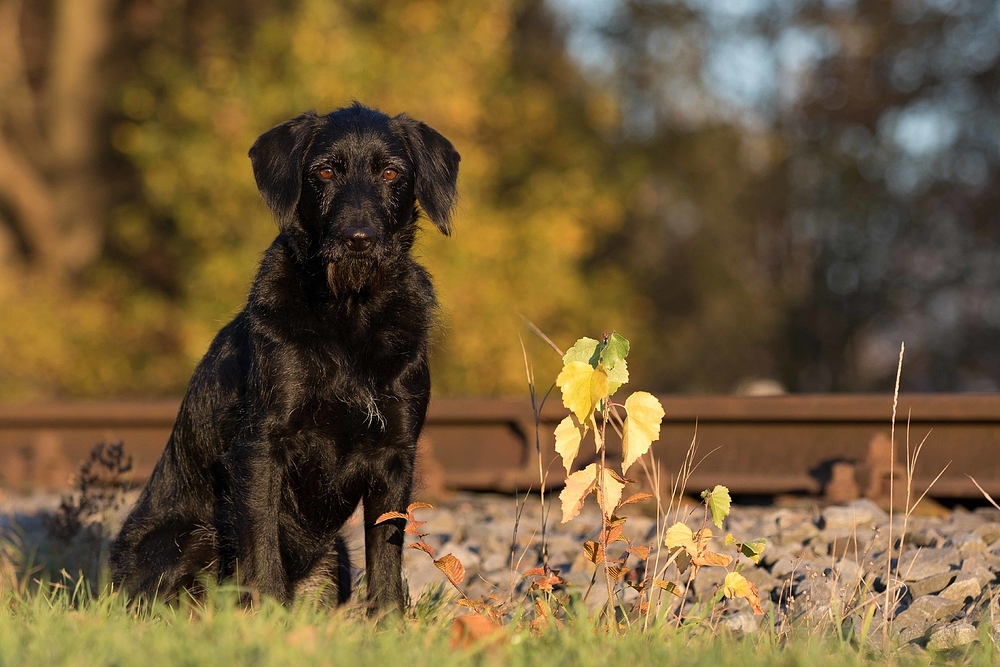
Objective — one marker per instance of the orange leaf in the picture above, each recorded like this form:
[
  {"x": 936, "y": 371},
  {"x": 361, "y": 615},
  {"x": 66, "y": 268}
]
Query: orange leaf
[
  {"x": 534, "y": 572},
  {"x": 413, "y": 527},
  {"x": 641, "y": 552},
  {"x": 547, "y": 583},
  {"x": 422, "y": 546},
  {"x": 614, "y": 532},
  {"x": 452, "y": 568},
  {"x": 390, "y": 515},
  {"x": 542, "y": 608},
  {"x": 472, "y": 629},
  {"x": 616, "y": 571},
  {"x": 419, "y": 506}
]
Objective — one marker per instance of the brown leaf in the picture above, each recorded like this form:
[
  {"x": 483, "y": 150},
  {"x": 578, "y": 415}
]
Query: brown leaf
[
  {"x": 618, "y": 478},
  {"x": 534, "y": 572},
  {"x": 593, "y": 551},
  {"x": 711, "y": 558},
  {"x": 422, "y": 546},
  {"x": 390, "y": 515},
  {"x": 475, "y": 605},
  {"x": 668, "y": 586},
  {"x": 452, "y": 568},
  {"x": 683, "y": 561},
  {"x": 637, "y": 498},
  {"x": 616, "y": 571}
]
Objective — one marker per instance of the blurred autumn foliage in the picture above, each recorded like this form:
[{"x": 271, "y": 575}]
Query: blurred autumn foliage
[{"x": 612, "y": 178}]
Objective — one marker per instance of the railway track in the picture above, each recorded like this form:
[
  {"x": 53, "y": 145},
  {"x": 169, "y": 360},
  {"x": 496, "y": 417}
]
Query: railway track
[{"x": 837, "y": 445}]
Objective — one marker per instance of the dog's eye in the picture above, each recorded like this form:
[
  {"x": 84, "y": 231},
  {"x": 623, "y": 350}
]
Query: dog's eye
[
  {"x": 389, "y": 174},
  {"x": 325, "y": 173}
]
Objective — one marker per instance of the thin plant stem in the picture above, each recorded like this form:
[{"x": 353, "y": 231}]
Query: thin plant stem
[{"x": 890, "y": 588}]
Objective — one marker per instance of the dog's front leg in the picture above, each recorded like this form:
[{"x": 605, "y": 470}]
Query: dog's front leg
[
  {"x": 255, "y": 555},
  {"x": 392, "y": 479}
]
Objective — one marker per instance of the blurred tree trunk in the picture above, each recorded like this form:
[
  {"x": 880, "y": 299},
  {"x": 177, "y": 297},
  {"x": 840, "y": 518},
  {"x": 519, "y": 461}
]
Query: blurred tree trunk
[{"x": 51, "y": 99}]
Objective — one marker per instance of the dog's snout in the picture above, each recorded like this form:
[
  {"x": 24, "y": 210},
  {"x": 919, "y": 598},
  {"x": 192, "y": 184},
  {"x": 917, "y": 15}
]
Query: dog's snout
[{"x": 359, "y": 238}]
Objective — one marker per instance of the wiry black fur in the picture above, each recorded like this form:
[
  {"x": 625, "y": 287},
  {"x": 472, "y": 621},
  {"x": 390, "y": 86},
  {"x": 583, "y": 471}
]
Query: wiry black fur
[{"x": 311, "y": 400}]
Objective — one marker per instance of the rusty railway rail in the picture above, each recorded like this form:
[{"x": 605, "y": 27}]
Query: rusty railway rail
[{"x": 809, "y": 444}]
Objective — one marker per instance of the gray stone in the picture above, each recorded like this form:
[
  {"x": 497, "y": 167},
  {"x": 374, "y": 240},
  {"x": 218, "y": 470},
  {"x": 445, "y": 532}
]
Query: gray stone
[
  {"x": 964, "y": 587},
  {"x": 421, "y": 574},
  {"x": 935, "y": 607},
  {"x": 919, "y": 618},
  {"x": 967, "y": 543},
  {"x": 921, "y": 564},
  {"x": 911, "y": 625},
  {"x": 931, "y": 584},
  {"x": 844, "y": 543},
  {"x": 923, "y": 537},
  {"x": 495, "y": 561},
  {"x": 977, "y": 564},
  {"x": 790, "y": 567},
  {"x": 848, "y": 572},
  {"x": 442, "y": 522},
  {"x": 774, "y": 553},
  {"x": 795, "y": 530},
  {"x": 953, "y": 635},
  {"x": 988, "y": 532},
  {"x": 762, "y": 579},
  {"x": 962, "y": 520},
  {"x": 708, "y": 580},
  {"x": 858, "y": 515},
  {"x": 743, "y": 622}
]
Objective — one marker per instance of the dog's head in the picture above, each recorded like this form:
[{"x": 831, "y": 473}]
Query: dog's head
[{"x": 344, "y": 188}]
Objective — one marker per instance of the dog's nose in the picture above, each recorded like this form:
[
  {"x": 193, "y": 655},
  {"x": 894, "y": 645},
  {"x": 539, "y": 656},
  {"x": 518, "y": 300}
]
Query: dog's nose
[{"x": 359, "y": 238}]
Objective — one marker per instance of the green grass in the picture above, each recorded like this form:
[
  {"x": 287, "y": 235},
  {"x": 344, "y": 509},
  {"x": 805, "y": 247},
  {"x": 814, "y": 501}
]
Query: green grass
[{"x": 60, "y": 628}]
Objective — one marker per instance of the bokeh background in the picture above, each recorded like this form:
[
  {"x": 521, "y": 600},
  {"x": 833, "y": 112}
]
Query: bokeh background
[{"x": 746, "y": 189}]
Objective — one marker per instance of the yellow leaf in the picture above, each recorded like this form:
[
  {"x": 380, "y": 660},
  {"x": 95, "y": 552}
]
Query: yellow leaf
[
  {"x": 612, "y": 493},
  {"x": 736, "y": 585},
  {"x": 574, "y": 381},
  {"x": 642, "y": 426},
  {"x": 578, "y": 487},
  {"x": 581, "y": 483},
  {"x": 568, "y": 437},
  {"x": 597, "y": 434},
  {"x": 718, "y": 502},
  {"x": 582, "y": 388},
  {"x": 680, "y": 536}
]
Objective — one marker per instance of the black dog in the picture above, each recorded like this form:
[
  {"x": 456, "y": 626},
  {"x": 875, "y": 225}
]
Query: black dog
[{"x": 311, "y": 400}]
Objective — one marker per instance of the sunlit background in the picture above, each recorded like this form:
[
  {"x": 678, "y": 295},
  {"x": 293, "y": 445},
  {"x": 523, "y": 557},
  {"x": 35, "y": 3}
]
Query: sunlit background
[{"x": 757, "y": 193}]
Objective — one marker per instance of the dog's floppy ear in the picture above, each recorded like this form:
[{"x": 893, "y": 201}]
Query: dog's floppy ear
[
  {"x": 436, "y": 163},
  {"x": 277, "y": 157}
]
